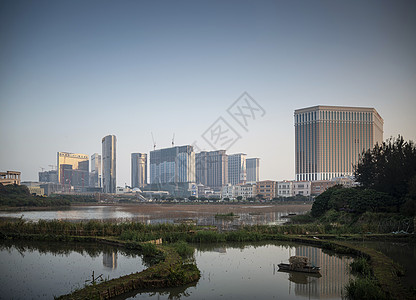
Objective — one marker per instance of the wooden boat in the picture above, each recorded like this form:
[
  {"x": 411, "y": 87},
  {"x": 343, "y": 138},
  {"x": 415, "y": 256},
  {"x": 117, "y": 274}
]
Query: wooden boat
[{"x": 298, "y": 264}]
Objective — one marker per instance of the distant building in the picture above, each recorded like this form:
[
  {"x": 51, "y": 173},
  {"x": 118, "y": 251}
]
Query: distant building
[
  {"x": 228, "y": 191},
  {"x": 73, "y": 171},
  {"x": 109, "y": 163},
  {"x": 138, "y": 170},
  {"x": 211, "y": 169},
  {"x": 330, "y": 139},
  {"x": 48, "y": 176},
  {"x": 246, "y": 191},
  {"x": 253, "y": 170},
  {"x": 10, "y": 177},
  {"x": 96, "y": 170},
  {"x": 266, "y": 188},
  {"x": 302, "y": 188},
  {"x": 285, "y": 188},
  {"x": 237, "y": 168},
  {"x": 172, "y": 165},
  {"x": 320, "y": 186}
]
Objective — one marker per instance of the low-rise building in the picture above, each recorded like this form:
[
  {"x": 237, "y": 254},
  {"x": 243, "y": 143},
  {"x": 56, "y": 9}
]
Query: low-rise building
[
  {"x": 285, "y": 188},
  {"x": 10, "y": 177},
  {"x": 302, "y": 188},
  {"x": 228, "y": 191},
  {"x": 266, "y": 188},
  {"x": 246, "y": 191}
]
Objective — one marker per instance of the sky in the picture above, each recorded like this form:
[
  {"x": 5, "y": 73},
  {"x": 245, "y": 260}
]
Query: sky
[{"x": 72, "y": 72}]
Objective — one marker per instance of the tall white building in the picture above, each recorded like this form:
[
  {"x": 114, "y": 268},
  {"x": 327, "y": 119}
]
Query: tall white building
[
  {"x": 330, "y": 139},
  {"x": 253, "y": 170},
  {"x": 138, "y": 170},
  {"x": 237, "y": 168},
  {"x": 109, "y": 163}
]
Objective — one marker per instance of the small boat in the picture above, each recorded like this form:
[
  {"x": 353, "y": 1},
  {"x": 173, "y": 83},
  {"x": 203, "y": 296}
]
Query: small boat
[{"x": 298, "y": 264}]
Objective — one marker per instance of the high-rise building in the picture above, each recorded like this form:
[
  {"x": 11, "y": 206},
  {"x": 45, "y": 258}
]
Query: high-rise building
[
  {"x": 237, "y": 168},
  {"x": 109, "y": 163},
  {"x": 253, "y": 170},
  {"x": 172, "y": 165},
  {"x": 212, "y": 169},
  {"x": 73, "y": 170},
  {"x": 96, "y": 170},
  {"x": 138, "y": 170},
  {"x": 48, "y": 176},
  {"x": 330, "y": 139}
]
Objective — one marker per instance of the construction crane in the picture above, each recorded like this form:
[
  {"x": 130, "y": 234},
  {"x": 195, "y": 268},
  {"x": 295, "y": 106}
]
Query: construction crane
[
  {"x": 154, "y": 143},
  {"x": 42, "y": 168},
  {"x": 173, "y": 140}
]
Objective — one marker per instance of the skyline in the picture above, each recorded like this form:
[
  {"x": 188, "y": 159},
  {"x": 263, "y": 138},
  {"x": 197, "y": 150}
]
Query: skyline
[{"x": 74, "y": 72}]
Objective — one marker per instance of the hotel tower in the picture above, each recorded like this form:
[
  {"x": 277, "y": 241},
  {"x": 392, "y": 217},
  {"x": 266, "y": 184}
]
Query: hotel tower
[{"x": 330, "y": 139}]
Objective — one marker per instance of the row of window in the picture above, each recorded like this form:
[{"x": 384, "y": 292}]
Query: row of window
[{"x": 334, "y": 115}]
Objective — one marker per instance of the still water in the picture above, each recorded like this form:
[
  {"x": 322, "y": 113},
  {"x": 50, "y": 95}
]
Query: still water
[
  {"x": 251, "y": 272},
  {"x": 252, "y": 215},
  {"x": 40, "y": 270},
  {"x": 228, "y": 271}
]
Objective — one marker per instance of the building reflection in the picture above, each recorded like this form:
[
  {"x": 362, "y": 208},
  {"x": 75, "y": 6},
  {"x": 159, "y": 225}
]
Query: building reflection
[
  {"x": 334, "y": 271},
  {"x": 110, "y": 260}
]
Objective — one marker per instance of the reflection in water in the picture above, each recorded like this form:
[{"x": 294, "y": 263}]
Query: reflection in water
[
  {"x": 334, "y": 271},
  {"x": 110, "y": 260},
  {"x": 46, "y": 269}
]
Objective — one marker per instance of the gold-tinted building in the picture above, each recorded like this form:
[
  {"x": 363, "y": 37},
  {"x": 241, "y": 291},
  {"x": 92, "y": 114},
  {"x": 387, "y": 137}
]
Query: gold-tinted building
[
  {"x": 73, "y": 170},
  {"x": 330, "y": 139}
]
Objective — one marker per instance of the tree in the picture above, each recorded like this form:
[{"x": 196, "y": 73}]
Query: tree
[
  {"x": 388, "y": 167},
  {"x": 239, "y": 198}
]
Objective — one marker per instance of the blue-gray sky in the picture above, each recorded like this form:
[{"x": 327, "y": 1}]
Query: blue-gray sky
[{"x": 72, "y": 72}]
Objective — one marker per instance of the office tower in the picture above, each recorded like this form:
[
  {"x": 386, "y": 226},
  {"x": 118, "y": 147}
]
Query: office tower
[
  {"x": 253, "y": 170},
  {"x": 48, "y": 176},
  {"x": 73, "y": 170},
  {"x": 96, "y": 170},
  {"x": 138, "y": 170},
  {"x": 212, "y": 168},
  {"x": 172, "y": 165},
  {"x": 237, "y": 171},
  {"x": 330, "y": 139},
  {"x": 109, "y": 163}
]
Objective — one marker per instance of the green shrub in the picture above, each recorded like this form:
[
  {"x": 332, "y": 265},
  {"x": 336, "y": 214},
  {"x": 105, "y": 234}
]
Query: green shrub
[
  {"x": 364, "y": 288},
  {"x": 183, "y": 249},
  {"x": 361, "y": 266}
]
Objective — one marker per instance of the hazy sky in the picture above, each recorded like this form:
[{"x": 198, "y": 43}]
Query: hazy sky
[{"x": 72, "y": 72}]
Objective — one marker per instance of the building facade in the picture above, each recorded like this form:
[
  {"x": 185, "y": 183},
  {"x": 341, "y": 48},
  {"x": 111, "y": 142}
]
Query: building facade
[
  {"x": 285, "y": 188},
  {"x": 266, "y": 188},
  {"x": 172, "y": 165},
  {"x": 109, "y": 144},
  {"x": 48, "y": 176},
  {"x": 253, "y": 170},
  {"x": 138, "y": 170},
  {"x": 73, "y": 171},
  {"x": 10, "y": 177},
  {"x": 245, "y": 191},
  {"x": 211, "y": 169},
  {"x": 237, "y": 168},
  {"x": 330, "y": 139},
  {"x": 96, "y": 180},
  {"x": 302, "y": 188}
]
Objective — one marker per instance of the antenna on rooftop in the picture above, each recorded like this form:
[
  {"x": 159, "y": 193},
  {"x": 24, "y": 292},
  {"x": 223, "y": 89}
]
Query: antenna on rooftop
[{"x": 173, "y": 140}]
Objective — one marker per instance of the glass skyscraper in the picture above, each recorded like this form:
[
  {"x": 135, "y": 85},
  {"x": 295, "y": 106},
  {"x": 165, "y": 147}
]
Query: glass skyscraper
[
  {"x": 330, "y": 139},
  {"x": 172, "y": 165},
  {"x": 237, "y": 168},
  {"x": 109, "y": 163},
  {"x": 253, "y": 170}
]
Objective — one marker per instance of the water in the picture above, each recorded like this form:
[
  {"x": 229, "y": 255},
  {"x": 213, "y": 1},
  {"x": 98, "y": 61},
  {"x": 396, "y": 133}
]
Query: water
[
  {"x": 152, "y": 214},
  {"x": 228, "y": 271},
  {"x": 251, "y": 272},
  {"x": 40, "y": 270},
  {"x": 402, "y": 253}
]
